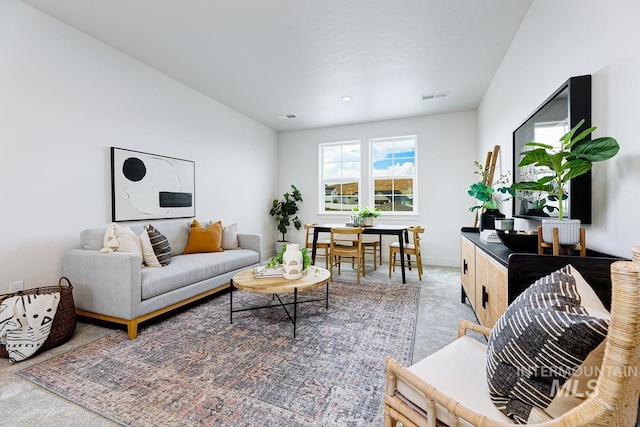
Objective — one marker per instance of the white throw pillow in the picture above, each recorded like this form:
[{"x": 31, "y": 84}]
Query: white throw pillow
[
  {"x": 148, "y": 254},
  {"x": 121, "y": 238},
  {"x": 230, "y": 237}
]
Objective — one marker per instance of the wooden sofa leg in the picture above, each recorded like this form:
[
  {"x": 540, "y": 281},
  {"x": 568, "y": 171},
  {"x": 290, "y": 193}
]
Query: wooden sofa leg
[{"x": 132, "y": 329}]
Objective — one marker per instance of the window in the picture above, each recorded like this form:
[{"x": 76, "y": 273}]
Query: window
[
  {"x": 340, "y": 176},
  {"x": 393, "y": 173}
]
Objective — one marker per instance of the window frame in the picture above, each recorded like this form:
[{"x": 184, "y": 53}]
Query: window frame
[
  {"x": 372, "y": 178},
  {"x": 321, "y": 190}
]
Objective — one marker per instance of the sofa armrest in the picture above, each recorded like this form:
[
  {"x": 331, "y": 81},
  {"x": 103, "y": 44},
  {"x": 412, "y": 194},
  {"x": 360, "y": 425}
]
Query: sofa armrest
[
  {"x": 251, "y": 241},
  {"x": 465, "y": 325},
  {"x": 104, "y": 283}
]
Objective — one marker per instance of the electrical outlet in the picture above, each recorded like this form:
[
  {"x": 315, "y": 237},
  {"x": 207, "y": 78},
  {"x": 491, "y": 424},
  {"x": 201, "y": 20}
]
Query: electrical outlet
[{"x": 16, "y": 286}]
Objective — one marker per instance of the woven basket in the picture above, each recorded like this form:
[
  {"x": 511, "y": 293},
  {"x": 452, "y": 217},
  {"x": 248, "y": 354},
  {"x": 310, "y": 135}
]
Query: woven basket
[{"x": 64, "y": 322}]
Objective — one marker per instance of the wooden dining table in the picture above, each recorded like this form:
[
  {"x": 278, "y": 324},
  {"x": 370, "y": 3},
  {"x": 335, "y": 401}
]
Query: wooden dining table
[{"x": 380, "y": 229}]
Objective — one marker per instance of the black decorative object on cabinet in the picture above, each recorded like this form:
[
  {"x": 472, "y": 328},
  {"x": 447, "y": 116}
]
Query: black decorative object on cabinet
[{"x": 487, "y": 219}]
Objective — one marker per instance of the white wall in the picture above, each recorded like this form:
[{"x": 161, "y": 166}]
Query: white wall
[
  {"x": 558, "y": 40},
  {"x": 64, "y": 100},
  {"x": 446, "y": 152}
]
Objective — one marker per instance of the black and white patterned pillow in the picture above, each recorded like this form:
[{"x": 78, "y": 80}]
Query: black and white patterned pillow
[
  {"x": 160, "y": 245},
  {"x": 539, "y": 342}
]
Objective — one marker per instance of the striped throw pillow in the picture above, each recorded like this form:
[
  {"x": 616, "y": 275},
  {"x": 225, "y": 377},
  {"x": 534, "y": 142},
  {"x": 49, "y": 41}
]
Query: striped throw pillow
[
  {"x": 160, "y": 245},
  {"x": 539, "y": 344}
]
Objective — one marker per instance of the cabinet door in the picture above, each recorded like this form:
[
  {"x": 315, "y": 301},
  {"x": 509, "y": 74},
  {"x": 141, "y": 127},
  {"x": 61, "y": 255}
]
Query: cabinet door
[
  {"x": 468, "y": 269},
  {"x": 497, "y": 278},
  {"x": 491, "y": 289},
  {"x": 482, "y": 287}
]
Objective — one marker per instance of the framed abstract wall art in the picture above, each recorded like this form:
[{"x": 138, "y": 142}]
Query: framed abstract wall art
[{"x": 148, "y": 186}]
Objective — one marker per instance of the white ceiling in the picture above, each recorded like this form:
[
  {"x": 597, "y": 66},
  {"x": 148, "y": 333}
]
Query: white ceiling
[{"x": 268, "y": 58}]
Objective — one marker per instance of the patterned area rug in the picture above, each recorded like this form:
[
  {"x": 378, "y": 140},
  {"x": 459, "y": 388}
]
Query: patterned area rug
[{"x": 195, "y": 368}]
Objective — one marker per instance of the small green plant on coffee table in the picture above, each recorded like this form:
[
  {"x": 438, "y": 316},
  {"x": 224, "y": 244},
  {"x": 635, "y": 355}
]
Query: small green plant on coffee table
[{"x": 278, "y": 259}]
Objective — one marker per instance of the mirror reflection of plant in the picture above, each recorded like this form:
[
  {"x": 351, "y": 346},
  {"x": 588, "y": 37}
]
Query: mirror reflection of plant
[
  {"x": 573, "y": 158},
  {"x": 536, "y": 201},
  {"x": 485, "y": 193}
]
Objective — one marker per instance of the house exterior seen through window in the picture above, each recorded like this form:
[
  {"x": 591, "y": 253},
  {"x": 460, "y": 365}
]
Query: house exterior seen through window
[
  {"x": 340, "y": 176},
  {"x": 393, "y": 173}
]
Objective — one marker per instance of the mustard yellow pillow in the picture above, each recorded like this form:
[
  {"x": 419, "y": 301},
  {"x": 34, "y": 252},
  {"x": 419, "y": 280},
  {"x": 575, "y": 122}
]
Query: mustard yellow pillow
[{"x": 204, "y": 240}]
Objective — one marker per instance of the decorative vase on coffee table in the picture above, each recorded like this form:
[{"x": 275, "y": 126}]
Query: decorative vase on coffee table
[
  {"x": 568, "y": 231},
  {"x": 292, "y": 262}
]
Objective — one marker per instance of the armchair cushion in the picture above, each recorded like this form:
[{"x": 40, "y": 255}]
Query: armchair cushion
[
  {"x": 457, "y": 369},
  {"x": 540, "y": 342}
]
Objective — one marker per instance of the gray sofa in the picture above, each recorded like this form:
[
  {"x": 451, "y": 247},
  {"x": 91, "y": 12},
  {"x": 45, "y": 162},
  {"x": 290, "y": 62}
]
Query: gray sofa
[{"x": 116, "y": 287}]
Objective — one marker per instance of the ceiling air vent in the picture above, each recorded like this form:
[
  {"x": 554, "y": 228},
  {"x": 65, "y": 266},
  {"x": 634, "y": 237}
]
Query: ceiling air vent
[
  {"x": 436, "y": 95},
  {"x": 287, "y": 116}
]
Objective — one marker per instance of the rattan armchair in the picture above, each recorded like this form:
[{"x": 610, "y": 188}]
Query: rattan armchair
[{"x": 613, "y": 402}]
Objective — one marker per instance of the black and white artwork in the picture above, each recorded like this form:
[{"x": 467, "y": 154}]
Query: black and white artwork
[{"x": 149, "y": 186}]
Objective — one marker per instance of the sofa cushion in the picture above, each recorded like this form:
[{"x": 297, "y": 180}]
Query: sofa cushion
[
  {"x": 187, "y": 269},
  {"x": 160, "y": 245},
  {"x": 92, "y": 239},
  {"x": 230, "y": 237},
  {"x": 457, "y": 370},
  {"x": 540, "y": 342},
  {"x": 204, "y": 239}
]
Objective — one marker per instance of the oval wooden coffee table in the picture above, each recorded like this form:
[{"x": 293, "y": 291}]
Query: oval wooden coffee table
[{"x": 245, "y": 281}]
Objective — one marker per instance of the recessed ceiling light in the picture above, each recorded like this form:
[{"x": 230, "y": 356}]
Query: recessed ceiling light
[
  {"x": 346, "y": 98},
  {"x": 287, "y": 116},
  {"x": 436, "y": 95}
]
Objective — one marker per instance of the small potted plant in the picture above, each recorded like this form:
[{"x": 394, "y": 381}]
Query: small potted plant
[
  {"x": 485, "y": 194},
  {"x": 279, "y": 258},
  {"x": 573, "y": 157},
  {"x": 365, "y": 216},
  {"x": 284, "y": 211}
]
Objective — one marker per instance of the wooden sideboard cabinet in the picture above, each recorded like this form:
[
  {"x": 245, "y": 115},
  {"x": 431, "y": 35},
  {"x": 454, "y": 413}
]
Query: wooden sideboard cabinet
[
  {"x": 492, "y": 276},
  {"x": 484, "y": 281}
]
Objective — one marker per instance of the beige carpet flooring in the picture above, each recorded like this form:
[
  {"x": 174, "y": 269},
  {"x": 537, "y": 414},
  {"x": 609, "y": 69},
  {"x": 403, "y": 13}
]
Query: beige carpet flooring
[{"x": 25, "y": 404}]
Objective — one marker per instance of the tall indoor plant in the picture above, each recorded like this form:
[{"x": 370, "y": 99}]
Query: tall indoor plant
[
  {"x": 574, "y": 157},
  {"x": 284, "y": 211}
]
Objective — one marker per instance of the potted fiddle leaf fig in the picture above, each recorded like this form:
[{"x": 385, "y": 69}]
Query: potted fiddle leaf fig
[
  {"x": 284, "y": 212},
  {"x": 574, "y": 156}
]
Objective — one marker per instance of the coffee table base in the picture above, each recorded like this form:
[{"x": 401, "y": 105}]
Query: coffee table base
[{"x": 282, "y": 304}]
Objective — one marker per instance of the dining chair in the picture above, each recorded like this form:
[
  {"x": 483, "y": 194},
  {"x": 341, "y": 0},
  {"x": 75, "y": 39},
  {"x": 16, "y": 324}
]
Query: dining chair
[
  {"x": 352, "y": 254},
  {"x": 372, "y": 247},
  {"x": 412, "y": 248},
  {"x": 323, "y": 244}
]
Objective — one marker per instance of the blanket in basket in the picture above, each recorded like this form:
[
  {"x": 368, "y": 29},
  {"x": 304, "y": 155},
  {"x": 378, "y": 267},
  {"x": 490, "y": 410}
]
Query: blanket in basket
[{"x": 25, "y": 323}]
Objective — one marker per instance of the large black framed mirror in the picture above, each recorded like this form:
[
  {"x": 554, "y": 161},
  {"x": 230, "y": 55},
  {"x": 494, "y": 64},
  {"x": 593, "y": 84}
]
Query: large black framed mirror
[{"x": 559, "y": 113}]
